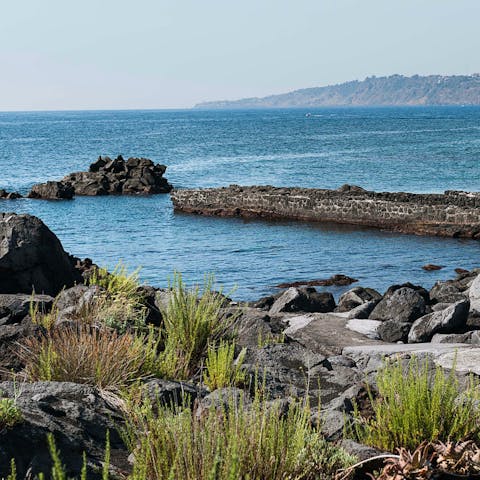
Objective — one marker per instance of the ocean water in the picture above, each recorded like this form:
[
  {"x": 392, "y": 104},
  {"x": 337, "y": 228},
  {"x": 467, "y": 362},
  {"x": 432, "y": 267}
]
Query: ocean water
[{"x": 416, "y": 149}]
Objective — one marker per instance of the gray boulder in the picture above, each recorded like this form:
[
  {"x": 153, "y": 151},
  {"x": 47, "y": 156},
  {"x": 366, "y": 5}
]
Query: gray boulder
[
  {"x": 446, "y": 292},
  {"x": 446, "y": 321},
  {"x": 393, "y": 331},
  {"x": 355, "y": 297},
  {"x": 403, "y": 305},
  {"x": 70, "y": 303},
  {"x": 52, "y": 191},
  {"x": 17, "y": 306},
  {"x": 76, "y": 415},
  {"x": 32, "y": 257},
  {"x": 303, "y": 300},
  {"x": 474, "y": 296},
  {"x": 170, "y": 393}
]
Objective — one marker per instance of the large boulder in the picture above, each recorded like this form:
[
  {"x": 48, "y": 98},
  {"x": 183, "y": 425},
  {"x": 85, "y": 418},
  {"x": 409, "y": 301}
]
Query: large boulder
[
  {"x": 32, "y": 258},
  {"x": 52, "y": 191},
  {"x": 303, "y": 300},
  {"x": 403, "y": 305},
  {"x": 76, "y": 415},
  {"x": 449, "y": 320},
  {"x": 355, "y": 297}
]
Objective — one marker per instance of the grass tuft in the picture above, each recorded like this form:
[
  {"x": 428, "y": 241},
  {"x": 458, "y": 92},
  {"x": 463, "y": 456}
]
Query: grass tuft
[
  {"x": 413, "y": 407},
  {"x": 10, "y": 414},
  {"x": 99, "y": 357},
  {"x": 221, "y": 368},
  {"x": 192, "y": 321}
]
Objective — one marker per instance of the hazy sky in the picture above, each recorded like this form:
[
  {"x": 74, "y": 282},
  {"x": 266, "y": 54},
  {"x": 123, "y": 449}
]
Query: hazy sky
[{"x": 62, "y": 54}]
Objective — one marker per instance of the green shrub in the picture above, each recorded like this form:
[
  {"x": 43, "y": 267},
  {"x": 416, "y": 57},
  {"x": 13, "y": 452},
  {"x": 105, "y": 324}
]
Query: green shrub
[
  {"x": 10, "y": 414},
  {"x": 413, "y": 407},
  {"x": 252, "y": 442},
  {"x": 221, "y": 368},
  {"x": 191, "y": 321},
  {"x": 100, "y": 357},
  {"x": 118, "y": 303}
]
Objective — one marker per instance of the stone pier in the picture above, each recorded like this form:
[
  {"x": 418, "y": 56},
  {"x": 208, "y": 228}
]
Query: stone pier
[{"x": 451, "y": 214}]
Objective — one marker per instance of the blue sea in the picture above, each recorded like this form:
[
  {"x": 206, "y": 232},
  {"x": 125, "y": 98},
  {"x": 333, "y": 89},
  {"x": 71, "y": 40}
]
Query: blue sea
[{"x": 417, "y": 149}]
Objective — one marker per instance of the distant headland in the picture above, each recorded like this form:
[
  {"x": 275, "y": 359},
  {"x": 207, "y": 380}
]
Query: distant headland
[{"x": 395, "y": 90}]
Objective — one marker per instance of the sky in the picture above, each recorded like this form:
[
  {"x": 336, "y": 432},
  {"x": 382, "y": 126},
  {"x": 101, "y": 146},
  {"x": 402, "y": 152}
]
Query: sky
[{"x": 127, "y": 54}]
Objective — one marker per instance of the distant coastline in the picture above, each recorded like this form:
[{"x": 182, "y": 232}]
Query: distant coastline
[{"x": 395, "y": 90}]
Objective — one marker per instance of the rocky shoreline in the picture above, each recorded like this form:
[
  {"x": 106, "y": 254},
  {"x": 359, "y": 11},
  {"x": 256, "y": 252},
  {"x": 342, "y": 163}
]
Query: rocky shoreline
[
  {"x": 295, "y": 335},
  {"x": 451, "y": 214}
]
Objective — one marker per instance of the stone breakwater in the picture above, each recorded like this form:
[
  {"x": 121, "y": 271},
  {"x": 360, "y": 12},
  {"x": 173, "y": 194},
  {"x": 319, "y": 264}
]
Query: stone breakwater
[{"x": 451, "y": 214}]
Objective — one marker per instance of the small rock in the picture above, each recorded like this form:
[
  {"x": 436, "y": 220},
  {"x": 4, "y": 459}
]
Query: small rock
[
  {"x": 303, "y": 300},
  {"x": 337, "y": 280},
  {"x": 355, "y": 297},
  {"x": 171, "y": 393},
  {"x": 430, "y": 267},
  {"x": 393, "y": 331}
]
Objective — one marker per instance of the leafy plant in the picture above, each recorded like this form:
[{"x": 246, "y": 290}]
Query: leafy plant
[
  {"x": 236, "y": 442},
  {"x": 431, "y": 460},
  {"x": 191, "y": 321},
  {"x": 222, "y": 370},
  {"x": 415, "y": 406},
  {"x": 10, "y": 414},
  {"x": 83, "y": 354}
]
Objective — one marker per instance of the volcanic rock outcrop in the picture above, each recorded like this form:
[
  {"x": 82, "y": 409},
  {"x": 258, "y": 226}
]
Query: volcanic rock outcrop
[{"x": 135, "y": 176}]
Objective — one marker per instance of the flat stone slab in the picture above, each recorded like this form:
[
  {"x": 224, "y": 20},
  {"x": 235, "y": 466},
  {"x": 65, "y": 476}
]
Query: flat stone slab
[
  {"x": 328, "y": 333},
  {"x": 364, "y": 327},
  {"x": 464, "y": 358}
]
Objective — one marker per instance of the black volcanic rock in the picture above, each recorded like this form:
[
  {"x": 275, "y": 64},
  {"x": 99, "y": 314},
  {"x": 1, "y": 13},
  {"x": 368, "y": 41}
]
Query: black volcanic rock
[
  {"x": 52, "y": 191},
  {"x": 32, "y": 257},
  {"x": 79, "y": 418},
  {"x": 106, "y": 176},
  {"x": 9, "y": 195}
]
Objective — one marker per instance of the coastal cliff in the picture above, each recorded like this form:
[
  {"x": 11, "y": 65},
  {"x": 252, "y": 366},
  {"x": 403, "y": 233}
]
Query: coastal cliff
[
  {"x": 451, "y": 214},
  {"x": 373, "y": 91}
]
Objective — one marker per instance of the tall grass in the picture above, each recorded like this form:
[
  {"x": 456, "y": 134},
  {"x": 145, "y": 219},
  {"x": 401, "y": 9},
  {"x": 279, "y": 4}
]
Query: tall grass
[
  {"x": 413, "y": 407},
  {"x": 191, "y": 321},
  {"x": 234, "y": 443},
  {"x": 83, "y": 354}
]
